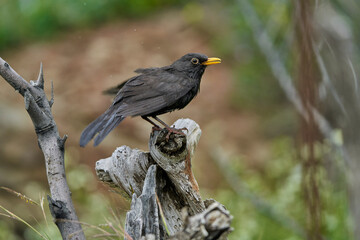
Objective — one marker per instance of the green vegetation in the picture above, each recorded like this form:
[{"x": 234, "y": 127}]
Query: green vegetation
[
  {"x": 26, "y": 20},
  {"x": 279, "y": 184},
  {"x": 97, "y": 216}
]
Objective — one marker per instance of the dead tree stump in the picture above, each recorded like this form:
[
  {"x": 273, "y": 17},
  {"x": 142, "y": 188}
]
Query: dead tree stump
[{"x": 166, "y": 203}]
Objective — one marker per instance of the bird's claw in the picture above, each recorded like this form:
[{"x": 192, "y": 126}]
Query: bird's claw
[
  {"x": 176, "y": 131},
  {"x": 156, "y": 128}
]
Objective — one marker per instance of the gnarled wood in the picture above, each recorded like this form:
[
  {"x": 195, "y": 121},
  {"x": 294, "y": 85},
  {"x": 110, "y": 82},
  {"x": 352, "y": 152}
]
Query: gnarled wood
[
  {"x": 175, "y": 184},
  {"x": 52, "y": 146},
  {"x": 143, "y": 215},
  {"x": 213, "y": 223},
  {"x": 173, "y": 156}
]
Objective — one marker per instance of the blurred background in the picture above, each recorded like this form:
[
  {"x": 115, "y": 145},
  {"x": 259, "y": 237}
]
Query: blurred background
[{"x": 280, "y": 116}]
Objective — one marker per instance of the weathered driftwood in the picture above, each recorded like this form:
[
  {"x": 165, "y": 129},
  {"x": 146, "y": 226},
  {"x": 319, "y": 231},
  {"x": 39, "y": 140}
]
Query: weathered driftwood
[
  {"x": 175, "y": 158},
  {"x": 213, "y": 223},
  {"x": 167, "y": 170},
  {"x": 143, "y": 222},
  {"x": 143, "y": 215},
  {"x": 52, "y": 146}
]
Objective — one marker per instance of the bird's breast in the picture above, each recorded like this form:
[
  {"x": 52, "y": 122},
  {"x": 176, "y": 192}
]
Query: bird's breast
[{"x": 181, "y": 102}]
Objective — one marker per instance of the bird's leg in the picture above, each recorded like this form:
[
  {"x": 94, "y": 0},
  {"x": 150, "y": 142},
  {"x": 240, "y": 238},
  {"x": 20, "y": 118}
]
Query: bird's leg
[
  {"x": 155, "y": 126},
  {"x": 170, "y": 129}
]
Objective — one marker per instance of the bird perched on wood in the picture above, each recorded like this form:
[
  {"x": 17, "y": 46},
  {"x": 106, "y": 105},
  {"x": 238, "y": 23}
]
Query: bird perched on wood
[{"x": 152, "y": 92}]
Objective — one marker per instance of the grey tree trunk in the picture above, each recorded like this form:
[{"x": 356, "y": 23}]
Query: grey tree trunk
[
  {"x": 162, "y": 185},
  {"x": 52, "y": 146}
]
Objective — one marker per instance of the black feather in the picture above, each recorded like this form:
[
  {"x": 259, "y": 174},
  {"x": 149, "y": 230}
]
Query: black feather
[
  {"x": 152, "y": 92},
  {"x": 101, "y": 126},
  {"x": 114, "y": 90},
  {"x": 109, "y": 126}
]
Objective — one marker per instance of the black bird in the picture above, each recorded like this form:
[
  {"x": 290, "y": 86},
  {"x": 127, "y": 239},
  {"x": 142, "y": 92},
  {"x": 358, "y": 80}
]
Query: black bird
[{"x": 153, "y": 92}]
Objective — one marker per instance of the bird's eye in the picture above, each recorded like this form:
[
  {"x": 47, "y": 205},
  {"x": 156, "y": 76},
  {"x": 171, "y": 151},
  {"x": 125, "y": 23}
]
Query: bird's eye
[{"x": 195, "y": 61}]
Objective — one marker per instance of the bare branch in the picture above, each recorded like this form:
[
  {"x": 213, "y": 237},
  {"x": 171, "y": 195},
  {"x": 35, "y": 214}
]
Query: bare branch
[
  {"x": 326, "y": 79},
  {"x": 14, "y": 79},
  {"x": 355, "y": 77},
  {"x": 39, "y": 110},
  {"x": 40, "y": 81},
  {"x": 51, "y": 102}
]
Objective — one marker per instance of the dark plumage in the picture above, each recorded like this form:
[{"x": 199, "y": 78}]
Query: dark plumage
[{"x": 153, "y": 92}]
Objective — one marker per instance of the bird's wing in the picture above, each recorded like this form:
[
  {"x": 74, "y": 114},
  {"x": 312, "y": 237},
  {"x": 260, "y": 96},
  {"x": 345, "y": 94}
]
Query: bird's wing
[
  {"x": 146, "y": 70},
  {"x": 146, "y": 94},
  {"x": 116, "y": 89}
]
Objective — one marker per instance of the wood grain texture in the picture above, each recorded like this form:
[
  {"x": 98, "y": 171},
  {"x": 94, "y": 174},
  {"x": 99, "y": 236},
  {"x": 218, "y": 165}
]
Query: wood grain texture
[{"x": 165, "y": 171}]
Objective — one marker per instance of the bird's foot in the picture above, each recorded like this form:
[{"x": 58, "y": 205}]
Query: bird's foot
[
  {"x": 156, "y": 128},
  {"x": 176, "y": 131}
]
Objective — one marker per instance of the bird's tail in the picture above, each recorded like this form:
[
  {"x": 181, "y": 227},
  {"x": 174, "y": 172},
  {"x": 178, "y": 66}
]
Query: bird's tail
[{"x": 102, "y": 125}]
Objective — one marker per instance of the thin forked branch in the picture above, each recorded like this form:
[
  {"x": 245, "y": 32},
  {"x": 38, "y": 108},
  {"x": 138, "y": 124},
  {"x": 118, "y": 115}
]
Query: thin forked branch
[{"x": 52, "y": 146}]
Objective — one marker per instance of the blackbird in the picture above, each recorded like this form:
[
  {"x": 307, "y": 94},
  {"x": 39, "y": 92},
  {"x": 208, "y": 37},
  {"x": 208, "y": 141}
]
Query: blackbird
[{"x": 152, "y": 92}]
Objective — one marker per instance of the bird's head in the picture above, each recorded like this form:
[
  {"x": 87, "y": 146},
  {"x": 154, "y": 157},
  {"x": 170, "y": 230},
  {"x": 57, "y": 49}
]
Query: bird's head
[{"x": 194, "y": 64}]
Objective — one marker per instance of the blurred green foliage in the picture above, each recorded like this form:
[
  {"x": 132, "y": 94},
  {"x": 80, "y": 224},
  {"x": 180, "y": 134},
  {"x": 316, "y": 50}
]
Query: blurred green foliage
[
  {"x": 255, "y": 88},
  {"x": 25, "y": 20},
  {"x": 279, "y": 182},
  {"x": 7, "y": 231}
]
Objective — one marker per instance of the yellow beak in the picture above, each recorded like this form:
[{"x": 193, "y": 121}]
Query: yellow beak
[{"x": 211, "y": 61}]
